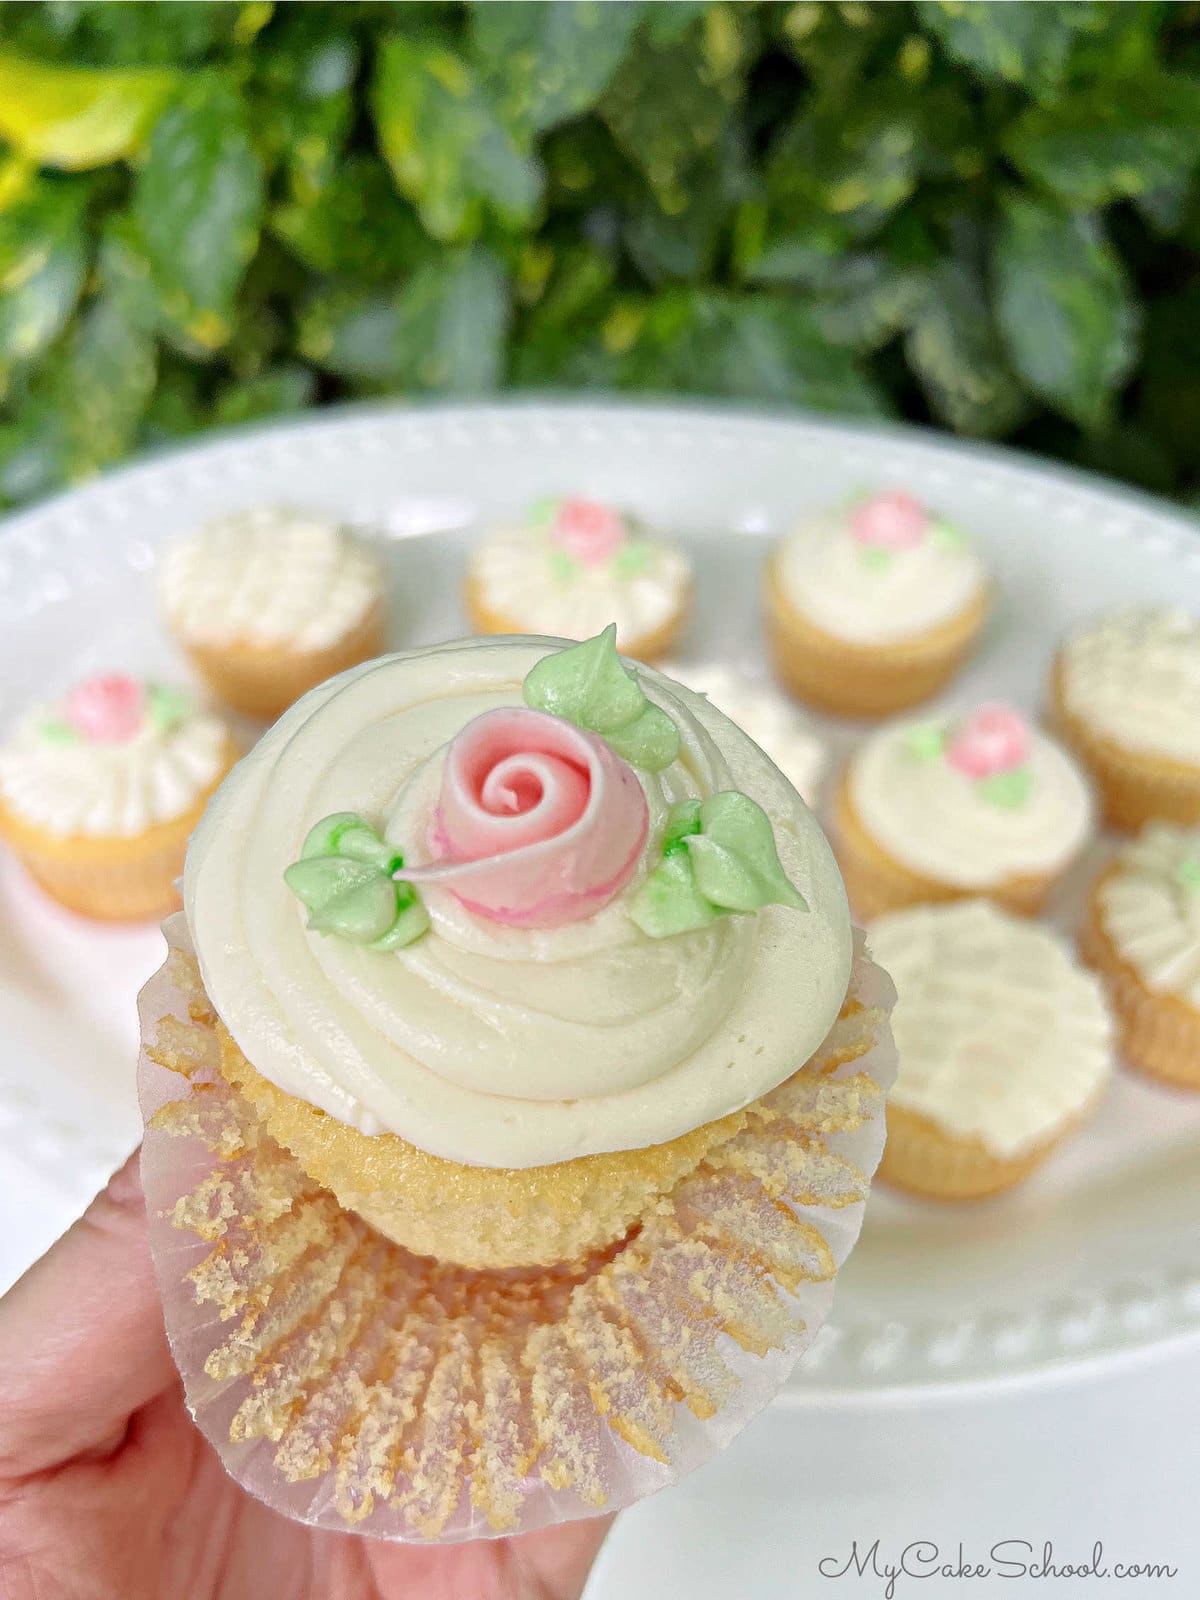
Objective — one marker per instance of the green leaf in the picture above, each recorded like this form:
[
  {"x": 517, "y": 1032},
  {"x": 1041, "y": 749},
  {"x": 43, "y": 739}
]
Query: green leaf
[
  {"x": 669, "y": 903},
  {"x": 954, "y": 347},
  {"x": 105, "y": 383},
  {"x": 589, "y": 685},
  {"x": 546, "y": 62},
  {"x": 1026, "y": 44},
  {"x": 344, "y": 878},
  {"x": 736, "y": 864},
  {"x": 1111, "y": 142},
  {"x": 74, "y": 117},
  {"x": 445, "y": 142},
  {"x": 1065, "y": 310},
  {"x": 355, "y": 226},
  {"x": 167, "y": 706},
  {"x": 1007, "y": 790},
  {"x": 197, "y": 205},
  {"x": 43, "y": 263},
  {"x": 275, "y": 392}
]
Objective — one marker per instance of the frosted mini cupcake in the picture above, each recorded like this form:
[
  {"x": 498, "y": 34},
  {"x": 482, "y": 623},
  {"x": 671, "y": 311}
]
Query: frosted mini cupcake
[
  {"x": 270, "y": 602},
  {"x": 872, "y": 607},
  {"x": 1005, "y": 1046},
  {"x": 570, "y": 568},
  {"x": 1126, "y": 696},
  {"x": 1141, "y": 932},
  {"x": 775, "y": 724},
  {"x": 100, "y": 790},
  {"x": 529, "y": 1057},
  {"x": 950, "y": 807}
]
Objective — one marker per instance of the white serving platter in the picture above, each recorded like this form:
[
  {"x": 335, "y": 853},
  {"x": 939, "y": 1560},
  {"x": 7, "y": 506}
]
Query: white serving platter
[{"x": 1095, "y": 1260}]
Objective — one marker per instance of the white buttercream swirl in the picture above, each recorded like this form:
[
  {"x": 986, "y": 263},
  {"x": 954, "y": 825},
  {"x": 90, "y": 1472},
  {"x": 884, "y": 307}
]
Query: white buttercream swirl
[
  {"x": 110, "y": 790},
  {"x": 487, "y": 1044},
  {"x": 777, "y": 726},
  {"x": 1002, "y": 1037},
  {"x": 935, "y": 819},
  {"x": 268, "y": 576},
  {"x": 1134, "y": 678},
  {"x": 1150, "y": 909},
  {"x": 518, "y": 580},
  {"x": 831, "y": 578}
]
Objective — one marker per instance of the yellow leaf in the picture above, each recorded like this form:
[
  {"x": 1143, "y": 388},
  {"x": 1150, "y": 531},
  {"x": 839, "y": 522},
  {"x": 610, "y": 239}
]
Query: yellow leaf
[{"x": 76, "y": 117}]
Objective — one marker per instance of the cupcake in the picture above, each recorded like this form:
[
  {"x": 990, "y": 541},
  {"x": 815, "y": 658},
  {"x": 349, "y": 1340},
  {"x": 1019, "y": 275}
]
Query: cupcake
[
  {"x": 873, "y": 606},
  {"x": 1126, "y": 697},
  {"x": 1141, "y": 932},
  {"x": 531, "y": 1083},
  {"x": 777, "y": 726},
  {"x": 951, "y": 807},
  {"x": 268, "y": 603},
  {"x": 571, "y": 566},
  {"x": 1005, "y": 1046},
  {"x": 100, "y": 790}
]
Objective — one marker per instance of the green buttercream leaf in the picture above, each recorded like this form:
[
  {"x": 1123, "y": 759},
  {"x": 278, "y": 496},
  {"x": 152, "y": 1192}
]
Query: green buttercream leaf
[
  {"x": 925, "y": 740},
  {"x": 876, "y": 557},
  {"x": 167, "y": 706},
  {"x": 344, "y": 877},
  {"x": 719, "y": 856},
  {"x": 947, "y": 537},
  {"x": 588, "y": 685},
  {"x": 57, "y": 731},
  {"x": 632, "y": 559},
  {"x": 1187, "y": 874},
  {"x": 542, "y": 513},
  {"x": 562, "y": 565},
  {"x": 734, "y": 856},
  {"x": 669, "y": 903},
  {"x": 1008, "y": 790}
]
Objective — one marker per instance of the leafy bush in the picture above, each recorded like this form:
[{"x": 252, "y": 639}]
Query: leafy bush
[{"x": 987, "y": 215}]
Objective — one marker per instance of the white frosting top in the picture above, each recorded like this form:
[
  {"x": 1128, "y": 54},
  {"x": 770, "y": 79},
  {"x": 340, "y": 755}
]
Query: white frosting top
[
  {"x": 480, "y": 1042},
  {"x": 776, "y": 725},
  {"x": 1134, "y": 678},
  {"x": 943, "y": 824},
  {"x": 523, "y": 577},
  {"x": 1150, "y": 909},
  {"x": 268, "y": 576},
  {"x": 109, "y": 789},
  {"x": 1002, "y": 1037},
  {"x": 872, "y": 595}
]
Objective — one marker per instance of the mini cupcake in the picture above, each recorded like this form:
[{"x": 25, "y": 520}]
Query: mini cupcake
[
  {"x": 1126, "y": 697},
  {"x": 872, "y": 607},
  {"x": 1005, "y": 1046},
  {"x": 99, "y": 792},
  {"x": 533, "y": 1077},
  {"x": 952, "y": 807},
  {"x": 569, "y": 568},
  {"x": 1141, "y": 932},
  {"x": 270, "y": 602},
  {"x": 777, "y": 726}
]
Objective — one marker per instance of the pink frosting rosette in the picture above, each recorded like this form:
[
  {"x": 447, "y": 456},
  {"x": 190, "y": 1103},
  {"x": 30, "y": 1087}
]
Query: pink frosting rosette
[
  {"x": 892, "y": 520},
  {"x": 106, "y": 710},
  {"x": 538, "y": 822},
  {"x": 992, "y": 740},
  {"x": 588, "y": 530}
]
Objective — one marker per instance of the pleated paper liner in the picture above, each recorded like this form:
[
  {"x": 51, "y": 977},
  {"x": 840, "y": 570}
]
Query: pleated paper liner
[{"x": 353, "y": 1385}]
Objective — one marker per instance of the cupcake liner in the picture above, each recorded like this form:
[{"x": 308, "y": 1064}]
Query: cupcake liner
[
  {"x": 1160, "y": 1033},
  {"x": 1135, "y": 787},
  {"x": 353, "y": 1385},
  {"x": 922, "y": 1158}
]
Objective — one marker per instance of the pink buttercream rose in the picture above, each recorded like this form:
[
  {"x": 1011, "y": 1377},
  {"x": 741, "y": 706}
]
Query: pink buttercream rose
[
  {"x": 106, "y": 710},
  {"x": 538, "y": 822},
  {"x": 891, "y": 520},
  {"x": 588, "y": 530},
  {"x": 993, "y": 739}
]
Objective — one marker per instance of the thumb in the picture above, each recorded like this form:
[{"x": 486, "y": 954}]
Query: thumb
[{"x": 82, "y": 1344}]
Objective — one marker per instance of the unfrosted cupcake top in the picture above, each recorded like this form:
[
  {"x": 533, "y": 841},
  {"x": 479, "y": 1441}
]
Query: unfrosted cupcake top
[
  {"x": 572, "y": 566},
  {"x": 1149, "y": 905},
  {"x": 1134, "y": 678},
  {"x": 973, "y": 800},
  {"x": 880, "y": 569},
  {"x": 111, "y": 759},
  {"x": 268, "y": 576},
  {"x": 775, "y": 724},
  {"x": 1002, "y": 1037},
  {"x": 586, "y": 992}
]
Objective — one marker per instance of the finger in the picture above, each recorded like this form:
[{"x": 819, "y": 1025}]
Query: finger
[{"x": 82, "y": 1344}]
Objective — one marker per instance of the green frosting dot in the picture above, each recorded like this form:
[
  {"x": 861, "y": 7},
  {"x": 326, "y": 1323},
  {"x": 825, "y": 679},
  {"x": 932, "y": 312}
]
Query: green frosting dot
[{"x": 1007, "y": 790}]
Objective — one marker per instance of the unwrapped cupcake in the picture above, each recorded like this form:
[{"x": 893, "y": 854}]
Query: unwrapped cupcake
[
  {"x": 530, "y": 1084},
  {"x": 271, "y": 601},
  {"x": 873, "y": 606},
  {"x": 572, "y": 565}
]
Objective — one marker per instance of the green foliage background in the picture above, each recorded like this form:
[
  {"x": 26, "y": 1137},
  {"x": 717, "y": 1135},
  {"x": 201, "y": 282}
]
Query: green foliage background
[{"x": 985, "y": 215}]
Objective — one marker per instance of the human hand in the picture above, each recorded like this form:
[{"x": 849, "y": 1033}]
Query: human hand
[{"x": 108, "y": 1490}]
